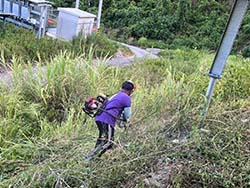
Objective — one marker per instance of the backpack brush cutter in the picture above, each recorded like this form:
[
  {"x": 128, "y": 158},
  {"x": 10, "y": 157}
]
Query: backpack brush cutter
[{"x": 95, "y": 106}]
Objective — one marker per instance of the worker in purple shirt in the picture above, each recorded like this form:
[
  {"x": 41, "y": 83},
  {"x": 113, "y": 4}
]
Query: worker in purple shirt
[{"x": 116, "y": 105}]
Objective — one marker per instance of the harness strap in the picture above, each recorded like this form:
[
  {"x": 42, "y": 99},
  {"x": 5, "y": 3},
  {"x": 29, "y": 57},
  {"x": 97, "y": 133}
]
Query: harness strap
[{"x": 105, "y": 110}]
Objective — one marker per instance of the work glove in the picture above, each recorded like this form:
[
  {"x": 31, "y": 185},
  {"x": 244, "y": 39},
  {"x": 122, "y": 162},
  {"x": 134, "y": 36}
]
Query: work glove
[
  {"x": 123, "y": 123},
  {"x": 127, "y": 120}
]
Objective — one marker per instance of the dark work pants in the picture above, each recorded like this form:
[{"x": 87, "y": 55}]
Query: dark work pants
[{"x": 105, "y": 138}]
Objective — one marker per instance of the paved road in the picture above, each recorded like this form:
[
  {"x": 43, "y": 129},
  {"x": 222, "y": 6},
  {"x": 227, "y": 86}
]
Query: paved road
[
  {"x": 139, "y": 55},
  {"x": 6, "y": 77}
]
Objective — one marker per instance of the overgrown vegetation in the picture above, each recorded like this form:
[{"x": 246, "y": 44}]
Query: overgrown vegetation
[
  {"x": 44, "y": 134},
  {"x": 43, "y": 139},
  {"x": 24, "y": 44},
  {"x": 169, "y": 24}
]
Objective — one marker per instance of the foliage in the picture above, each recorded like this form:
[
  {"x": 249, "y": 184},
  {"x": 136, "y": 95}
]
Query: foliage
[
  {"x": 242, "y": 41},
  {"x": 183, "y": 23},
  {"x": 44, "y": 135},
  {"x": 218, "y": 157},
  {"x": 102, "y": 45},
  {"x": 170, "y": 21},
  {"x": 24, "y": 44}
]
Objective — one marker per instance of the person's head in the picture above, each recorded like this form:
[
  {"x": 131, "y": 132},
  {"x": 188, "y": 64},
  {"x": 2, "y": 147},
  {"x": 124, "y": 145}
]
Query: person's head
[{"x": 128, "y": 87}]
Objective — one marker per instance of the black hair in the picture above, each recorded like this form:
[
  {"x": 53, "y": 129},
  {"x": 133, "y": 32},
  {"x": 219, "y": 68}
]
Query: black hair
[{"x": 128, "y": 85}]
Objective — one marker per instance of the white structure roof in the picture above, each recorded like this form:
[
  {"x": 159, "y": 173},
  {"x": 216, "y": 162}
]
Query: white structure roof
[
  {"x": 77, "y": 12},
  {"x": 40, "y": 2}
]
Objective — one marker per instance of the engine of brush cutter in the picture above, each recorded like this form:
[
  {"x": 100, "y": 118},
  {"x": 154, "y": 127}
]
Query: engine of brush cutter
[{"x": 93, "y": 106}]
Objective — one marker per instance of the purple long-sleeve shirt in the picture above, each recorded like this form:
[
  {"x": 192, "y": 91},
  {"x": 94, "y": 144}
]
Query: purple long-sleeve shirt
[{"x": 114, "y": 108}]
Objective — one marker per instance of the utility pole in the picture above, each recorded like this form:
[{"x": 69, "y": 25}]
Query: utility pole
[
  {"x": 99, "y": 14},
  {"x": 77, "y": 4},
  {"x": 98, "y": 21}
]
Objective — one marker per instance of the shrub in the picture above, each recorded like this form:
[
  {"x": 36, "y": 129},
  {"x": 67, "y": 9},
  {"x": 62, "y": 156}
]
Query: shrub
[
  {"x": 246, "y": 52},
  {"x": 143, "y": 41}
]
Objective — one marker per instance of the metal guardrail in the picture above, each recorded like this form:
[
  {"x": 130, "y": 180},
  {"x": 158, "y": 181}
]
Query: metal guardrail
[{"x": 31, "y": 14}]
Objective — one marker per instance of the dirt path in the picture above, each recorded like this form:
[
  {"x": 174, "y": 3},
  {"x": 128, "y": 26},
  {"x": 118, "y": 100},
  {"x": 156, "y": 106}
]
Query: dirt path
[{"x": 117, "y": 60}]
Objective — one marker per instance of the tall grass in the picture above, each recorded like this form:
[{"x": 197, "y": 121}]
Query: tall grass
[
  {"x": 44, "y": 135},
  {"x": 23, "y": 43}
]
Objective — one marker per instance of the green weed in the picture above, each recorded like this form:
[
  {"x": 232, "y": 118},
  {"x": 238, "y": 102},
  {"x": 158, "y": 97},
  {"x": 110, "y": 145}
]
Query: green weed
[{"x": 44, "y": 136}]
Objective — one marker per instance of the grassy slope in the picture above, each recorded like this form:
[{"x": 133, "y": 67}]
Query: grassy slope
[
  {"x": 24, "y": 44},
  {"x": 43, "y": 140}
]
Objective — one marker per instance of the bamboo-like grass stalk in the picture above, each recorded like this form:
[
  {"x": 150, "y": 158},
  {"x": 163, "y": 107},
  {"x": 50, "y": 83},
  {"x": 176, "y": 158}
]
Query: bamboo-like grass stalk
[{"x": 43, "y": 139}]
